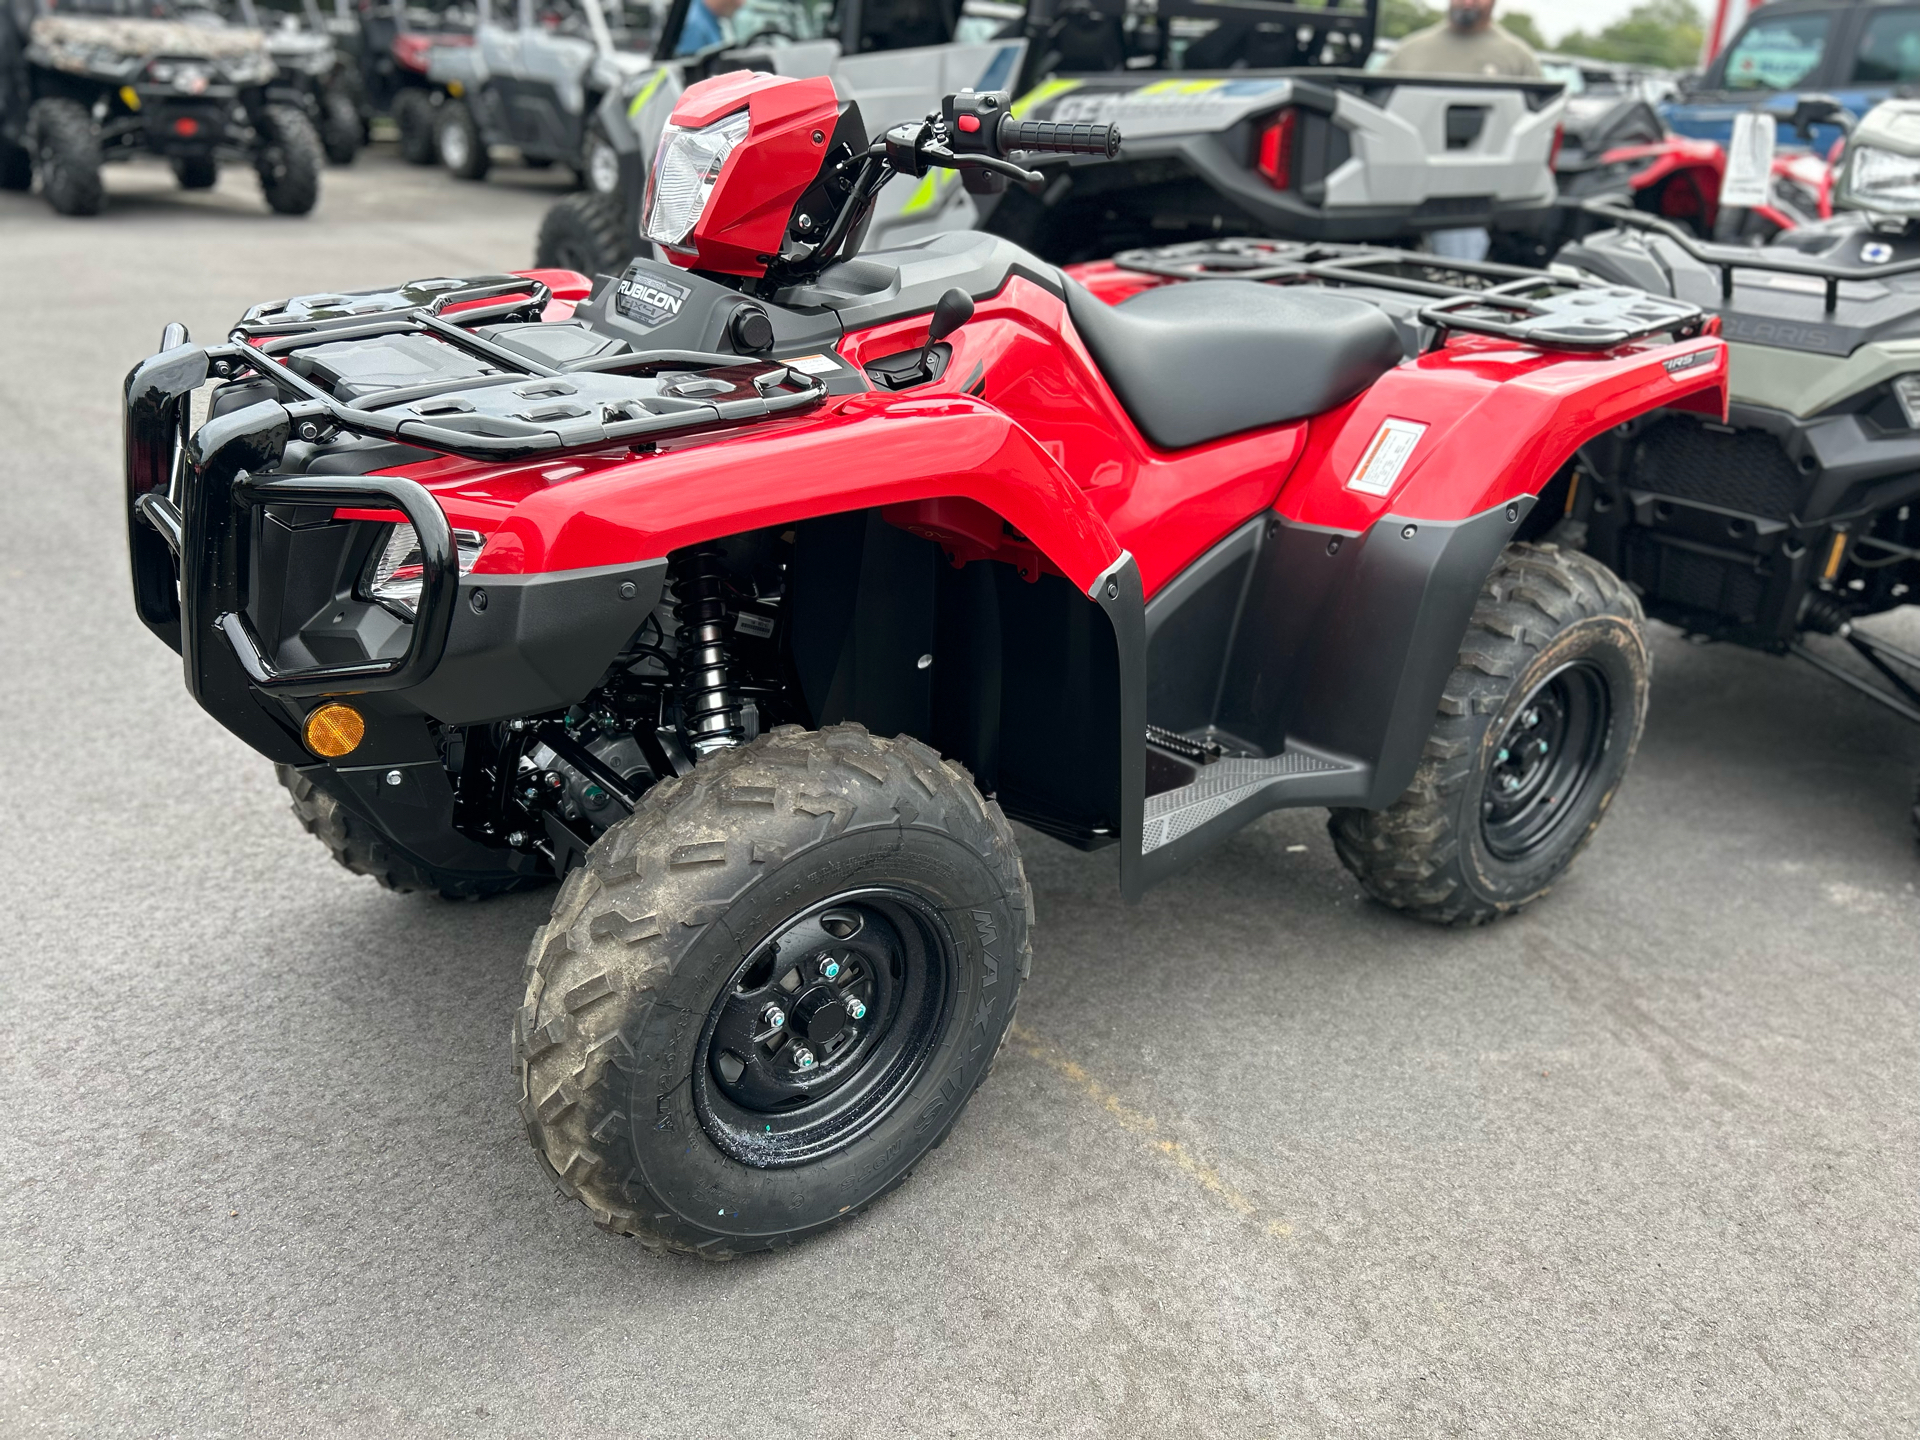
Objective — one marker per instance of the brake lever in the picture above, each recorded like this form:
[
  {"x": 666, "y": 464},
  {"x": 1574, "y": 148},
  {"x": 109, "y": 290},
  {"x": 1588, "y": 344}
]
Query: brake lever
[{"x": 1031, "y": 180}]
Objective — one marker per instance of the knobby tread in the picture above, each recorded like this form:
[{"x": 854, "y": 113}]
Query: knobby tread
[
  {"x": 290, "y": 163},
  {"x": 358, "y": 848},
  {"x": 586, "y": 232},
  {"x": 413, "y": 117},
  {"x": 1410, "y": 856},
  {"x": 574, "y": 1061},
  {"x": 69, "y": 151}
]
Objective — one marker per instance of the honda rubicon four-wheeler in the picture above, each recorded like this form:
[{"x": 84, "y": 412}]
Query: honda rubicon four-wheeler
[
  {"x": 82, "y": 83},
  {"x": 757, "y": 591},
  {"x": 893, "y": 58},
  {"x": 1799, "y": 513}
]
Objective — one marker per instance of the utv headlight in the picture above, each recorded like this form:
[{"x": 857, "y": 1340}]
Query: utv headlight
[
  {"x": 1876, "y": 179},
  {"x": 1906, "y": 390},
  {"x": 685, "y": 169},
  {"x": 394, "y": 572},
  {"x": 250, "y": 69}
]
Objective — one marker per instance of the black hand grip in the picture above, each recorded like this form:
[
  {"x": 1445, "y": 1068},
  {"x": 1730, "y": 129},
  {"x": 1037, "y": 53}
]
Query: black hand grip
[{"x": 1046, "y": 137}]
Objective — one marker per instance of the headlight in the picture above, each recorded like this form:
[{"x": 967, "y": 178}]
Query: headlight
[
  {"x": 1876, "y": 179},
  {"x": 394, "y": 572},
  {"x": 249, "y": 69},
  {"x": 1906, "y": 389},
  {"x": 685, "y": 169}
]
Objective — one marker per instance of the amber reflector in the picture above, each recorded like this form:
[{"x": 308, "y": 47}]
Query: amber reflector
[{"x": 335, "y": 730}]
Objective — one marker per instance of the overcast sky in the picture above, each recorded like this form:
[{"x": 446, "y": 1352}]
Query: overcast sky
[{"x": 1558, "y": 17}]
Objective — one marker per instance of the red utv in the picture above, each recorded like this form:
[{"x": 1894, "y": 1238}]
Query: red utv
[{"x": 754, "y": 594}]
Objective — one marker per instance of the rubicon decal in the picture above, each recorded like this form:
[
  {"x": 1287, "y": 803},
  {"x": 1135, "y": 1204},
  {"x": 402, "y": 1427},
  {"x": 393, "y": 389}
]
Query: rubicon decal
[
  {"x": 1677, "y": 363},
  {"x": 650, "y": 300}
]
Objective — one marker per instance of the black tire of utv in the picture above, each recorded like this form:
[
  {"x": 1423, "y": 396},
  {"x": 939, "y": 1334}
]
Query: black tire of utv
[
  {"x": 413, "y": 117},
  {"x": 16, "y": 166},
  {"x": 584, "y": 232},
  {"x": 455, "y": 117},
  {"x": 196, "y": 172},
  {"x": 69, "y": 157},
  {"x": 642, "y": 939},
  {"x": 364, "y": 852},
  {"x": 340, "y": 128},
  {"x": 1542, "y": 608},
  {"x": 290, "y": 164}
]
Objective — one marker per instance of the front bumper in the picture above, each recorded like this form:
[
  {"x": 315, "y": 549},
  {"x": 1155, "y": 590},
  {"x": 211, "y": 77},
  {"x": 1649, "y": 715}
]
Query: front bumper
[{"x": 250, "y": 574}]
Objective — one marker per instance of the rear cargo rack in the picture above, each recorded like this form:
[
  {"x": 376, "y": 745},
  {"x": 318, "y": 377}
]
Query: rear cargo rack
[
  {"x": 1511, "y": 302},
  {"x": 504, "y": 398},
  {"x": 1729, "y": 258}
]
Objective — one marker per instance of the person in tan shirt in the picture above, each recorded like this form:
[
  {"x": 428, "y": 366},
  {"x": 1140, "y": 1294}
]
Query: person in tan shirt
[{"x": 1467, "y": 42}]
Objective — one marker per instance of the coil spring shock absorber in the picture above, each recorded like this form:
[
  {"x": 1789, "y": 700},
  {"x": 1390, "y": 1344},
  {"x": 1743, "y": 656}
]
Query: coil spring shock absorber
[{"x": 709, "y": 707}]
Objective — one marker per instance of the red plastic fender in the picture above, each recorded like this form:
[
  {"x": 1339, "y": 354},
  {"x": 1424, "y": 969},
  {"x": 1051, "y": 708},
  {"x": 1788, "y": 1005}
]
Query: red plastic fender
[
  {"x": 1490, "y": 421},
  {"x": 859, "y": 452}
]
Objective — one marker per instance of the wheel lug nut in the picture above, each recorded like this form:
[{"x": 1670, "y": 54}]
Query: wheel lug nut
[
  {"x": 1503, "y": 757},
  {"x": 802, "y": 1058},
  {"x": 1532, "y": 718},
  {"x": 829, "y": 969},
  {"x": 856, "y": 1009},
  {"x": 774, "y": 1017}
]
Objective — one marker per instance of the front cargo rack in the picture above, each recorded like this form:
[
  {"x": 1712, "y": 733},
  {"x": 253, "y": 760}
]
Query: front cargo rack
[
  {"x": 468, "y": 368},
  {"x": 1511, "y": 302}
]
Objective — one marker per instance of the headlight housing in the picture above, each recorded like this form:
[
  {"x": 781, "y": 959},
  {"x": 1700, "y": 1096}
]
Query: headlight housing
[
  {"x": 1880, "y": 180},
  {"x": 394, "y": 573},
  {"x": 686, "y": 167}
]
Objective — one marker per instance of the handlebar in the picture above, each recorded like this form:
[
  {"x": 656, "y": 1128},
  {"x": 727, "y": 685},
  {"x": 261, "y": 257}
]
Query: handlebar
[{"x": 1050, "y": 138}]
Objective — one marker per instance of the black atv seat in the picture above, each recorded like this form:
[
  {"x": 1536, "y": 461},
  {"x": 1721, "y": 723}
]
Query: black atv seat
[{"x": 1197, "y": 361}]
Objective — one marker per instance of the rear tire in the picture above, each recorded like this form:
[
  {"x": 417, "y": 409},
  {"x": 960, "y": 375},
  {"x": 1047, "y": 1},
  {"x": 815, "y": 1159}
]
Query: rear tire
[
  {"x": 585, "y": 232},
  {"x": 16, "y": 166},
  {"x": 290, "y": 162},
  {"x": 640, "y": 998},
  {"x": 463, "y": 149},
  {"x": 340, "y": 128},
  {"x": 196, "y": 172},
  {"x": 69, "y": 157},
  {"x": 357, "y": 847},
  {"x": 413, "y": 117},
  {"x": 1555, "y": 656}
]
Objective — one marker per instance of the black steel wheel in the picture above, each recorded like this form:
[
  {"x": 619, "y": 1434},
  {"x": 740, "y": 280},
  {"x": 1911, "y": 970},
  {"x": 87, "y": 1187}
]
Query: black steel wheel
[
  {"x": 771, "y": 990},
  {"x": 825, "y": 1026},
  {"x": 1546, "y": 757},
  {"x": 1537, "y": 726}
]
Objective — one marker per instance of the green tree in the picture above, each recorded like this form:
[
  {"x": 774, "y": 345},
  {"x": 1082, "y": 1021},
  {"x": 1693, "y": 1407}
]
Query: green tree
[
  {"x": 1522, "y": 26},
  {"x": 1400, "y": 18},
  {"x": 1655, "y": 32}
]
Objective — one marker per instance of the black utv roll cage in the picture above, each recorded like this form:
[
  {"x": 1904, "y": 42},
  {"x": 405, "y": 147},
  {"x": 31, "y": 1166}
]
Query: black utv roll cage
[
  {"x": 1510, "y": 302},
  {"x": 194, "y": 493}
]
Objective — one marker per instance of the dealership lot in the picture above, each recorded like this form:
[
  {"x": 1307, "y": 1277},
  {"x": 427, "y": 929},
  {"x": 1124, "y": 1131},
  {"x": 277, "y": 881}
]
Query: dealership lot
[{"x": 1263, "y": 1158}]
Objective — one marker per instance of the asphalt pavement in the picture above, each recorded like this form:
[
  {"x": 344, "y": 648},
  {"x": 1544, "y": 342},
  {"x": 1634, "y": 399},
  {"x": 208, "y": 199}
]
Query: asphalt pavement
[{"x": 1265, "y": 1159}]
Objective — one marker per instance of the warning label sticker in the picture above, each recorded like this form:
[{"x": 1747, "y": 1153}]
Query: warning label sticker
[
  {"x": 813, "y": 364},
  {"x": 1386, "y": 456}
]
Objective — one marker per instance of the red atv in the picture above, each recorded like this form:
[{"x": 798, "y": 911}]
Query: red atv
[{"x": 515, "y": 580}]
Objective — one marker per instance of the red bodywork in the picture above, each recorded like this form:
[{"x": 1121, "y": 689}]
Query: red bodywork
[
  {"x": 1049, "y": 471},
  {"x": 1020, "y": 452}
]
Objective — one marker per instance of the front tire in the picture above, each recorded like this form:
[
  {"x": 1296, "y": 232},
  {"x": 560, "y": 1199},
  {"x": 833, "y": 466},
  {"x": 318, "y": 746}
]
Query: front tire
[
  {"x": 289, "y": 162},
  {"x": 341, "y": 131},
  {"x": 196, "y": 172},
  {"x": 463, "y": 149},
  {"x": 357, "y": 847},
  {"x": 1537, "y": 726},
  {"x": 69, "y": 157},
  {"x": 686, "y": 966},
  {"x": 585, "y": 232},
  {"x": 413, "y": 117}
]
